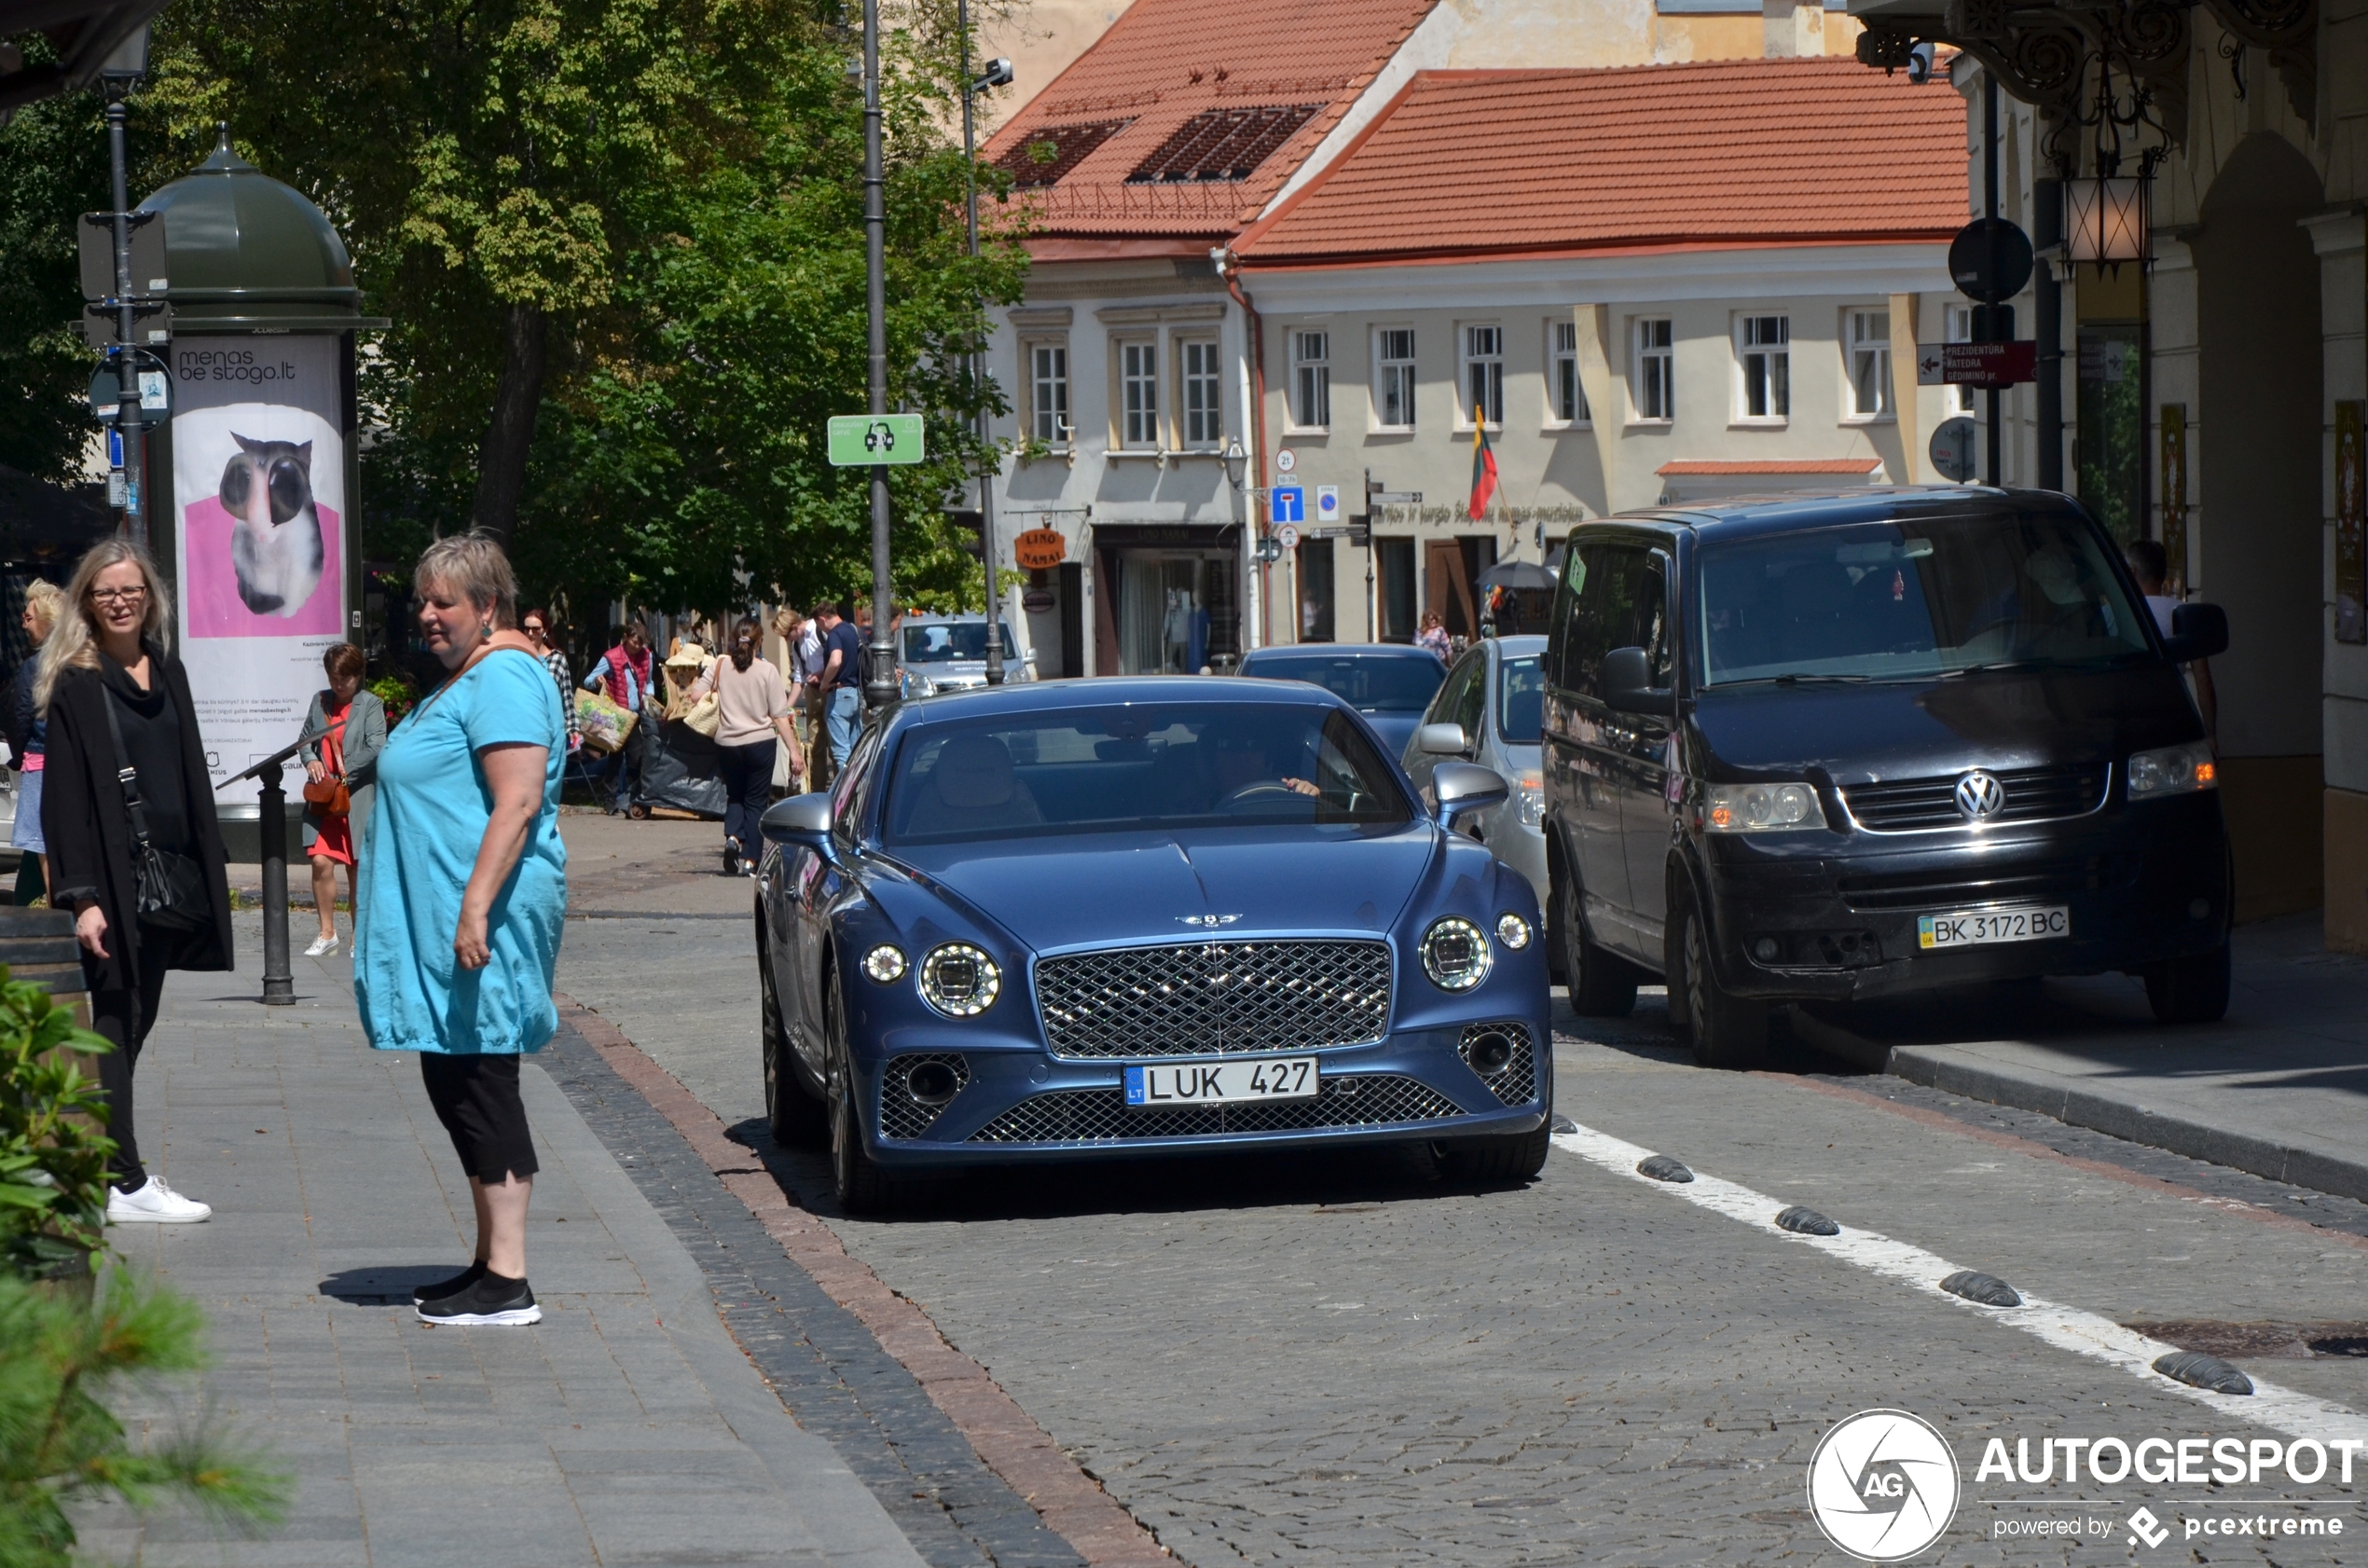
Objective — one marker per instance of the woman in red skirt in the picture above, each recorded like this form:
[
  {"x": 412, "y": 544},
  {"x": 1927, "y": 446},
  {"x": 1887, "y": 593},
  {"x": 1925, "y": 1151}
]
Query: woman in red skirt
[{"x": 351, "y": 724}]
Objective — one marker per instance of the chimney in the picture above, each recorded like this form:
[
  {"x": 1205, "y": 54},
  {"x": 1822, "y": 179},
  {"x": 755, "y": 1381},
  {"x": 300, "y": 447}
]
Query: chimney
[{"x": 1792, "y": 27}]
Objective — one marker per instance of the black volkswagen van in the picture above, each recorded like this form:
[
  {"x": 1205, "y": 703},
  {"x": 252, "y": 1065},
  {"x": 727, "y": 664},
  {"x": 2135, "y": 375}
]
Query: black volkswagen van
[{"x": 1841, "y": 747}]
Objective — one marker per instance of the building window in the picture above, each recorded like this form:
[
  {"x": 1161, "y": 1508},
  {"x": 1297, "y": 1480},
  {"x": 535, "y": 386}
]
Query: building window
[
  {"x": 1138, "y": 375},
  {"x": 1957, "y": 327},
  {"x": 1655, "y": 369},
  {"x": 1763, "y": 347},
  {"x": 1311, "y": 380},
  {"x": 1871, "y": 364},
  {"x": 1569, "y": 397},
  {"x": 1048, "y": 374},
  {"x": 1393, "y": 377},
  {"x": 1204, "y": 394},
  {"x": 1484, "y": 375}
]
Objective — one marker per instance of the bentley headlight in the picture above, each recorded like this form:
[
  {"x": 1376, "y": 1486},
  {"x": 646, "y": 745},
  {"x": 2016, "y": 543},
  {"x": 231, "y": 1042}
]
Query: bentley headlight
[
  {"x": 884, "y": 963},
  {"x": 1514, "y": 932},
  {"x": 1456, "y": 954},
  {"x": 1758, "y": 808},
  {"x": 959, "y": 980},
  {"x": 2172, "y": 770}
]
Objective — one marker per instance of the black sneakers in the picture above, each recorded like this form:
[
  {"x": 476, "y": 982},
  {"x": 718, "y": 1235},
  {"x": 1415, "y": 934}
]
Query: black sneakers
[
  {"x": 452, "y": 1287},
  {"x": 488, "y": 1300}
]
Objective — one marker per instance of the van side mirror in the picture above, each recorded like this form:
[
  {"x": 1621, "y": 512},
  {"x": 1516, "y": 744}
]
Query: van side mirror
[
  {"x": 1628, "y": 685},
  {"x": 1462, "y": 788},
  {"x": 2198, "y": 631},
  {"x": 800, "y": 821},
  {"x": 1442, "y": 740}
]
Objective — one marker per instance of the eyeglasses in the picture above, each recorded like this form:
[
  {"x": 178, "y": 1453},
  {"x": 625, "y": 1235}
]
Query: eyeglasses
[
  {"x": 118, "y": 596},
  {"x": 533, "y": 628}
]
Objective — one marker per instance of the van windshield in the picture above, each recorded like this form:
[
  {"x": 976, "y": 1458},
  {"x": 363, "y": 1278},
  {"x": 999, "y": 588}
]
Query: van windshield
[{"x": 1913, "y": 599}]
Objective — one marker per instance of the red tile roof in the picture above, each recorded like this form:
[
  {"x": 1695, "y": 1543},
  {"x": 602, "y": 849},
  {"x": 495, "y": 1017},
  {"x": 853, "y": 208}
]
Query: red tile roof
[
  {"x": 1748, "y": 152},
  {"x": 1707, "y": 467},
  {"x": 1164, "y": 62}
]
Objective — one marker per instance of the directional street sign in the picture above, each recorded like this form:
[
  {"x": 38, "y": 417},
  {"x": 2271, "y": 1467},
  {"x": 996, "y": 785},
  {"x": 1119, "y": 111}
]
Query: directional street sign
[
  {"x": 1327, "y": 503},
  {"x": 1977, "y": 364},
  {"x": 1286, "y": 504},
  {"x": 864, "y": 440}
]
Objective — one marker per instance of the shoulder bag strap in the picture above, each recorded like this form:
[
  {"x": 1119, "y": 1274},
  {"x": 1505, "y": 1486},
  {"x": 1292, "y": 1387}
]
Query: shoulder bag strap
[{"x": 125, "y": 775}]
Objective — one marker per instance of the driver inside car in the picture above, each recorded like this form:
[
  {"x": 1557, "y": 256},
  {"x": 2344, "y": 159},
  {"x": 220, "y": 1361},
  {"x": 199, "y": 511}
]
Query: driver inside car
[{"x": 1246, "y": 762}]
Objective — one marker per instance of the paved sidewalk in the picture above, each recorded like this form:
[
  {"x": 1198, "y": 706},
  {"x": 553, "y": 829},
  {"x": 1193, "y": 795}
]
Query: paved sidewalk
[
  {"x": 627, "y": 1427},
  {"x": 2279, "y": 1088}
]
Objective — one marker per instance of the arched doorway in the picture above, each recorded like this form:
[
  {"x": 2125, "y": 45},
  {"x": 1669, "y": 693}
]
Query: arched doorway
[{"x": 2257, "y": 540}]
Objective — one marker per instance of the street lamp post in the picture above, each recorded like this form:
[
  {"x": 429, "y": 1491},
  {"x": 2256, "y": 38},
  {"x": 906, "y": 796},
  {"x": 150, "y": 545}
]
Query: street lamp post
[
  {"x": 879, "y": 676},
  {"x": 997, "y": 73},
  {"x": 121, "y": 72}
]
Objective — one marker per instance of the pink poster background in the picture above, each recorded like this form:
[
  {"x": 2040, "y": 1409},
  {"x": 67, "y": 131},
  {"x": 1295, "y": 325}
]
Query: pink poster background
[{"x": 215, "y": 609}]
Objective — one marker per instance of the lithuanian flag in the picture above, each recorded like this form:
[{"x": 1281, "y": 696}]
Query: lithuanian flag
[{"x": 1483, "y": 473}]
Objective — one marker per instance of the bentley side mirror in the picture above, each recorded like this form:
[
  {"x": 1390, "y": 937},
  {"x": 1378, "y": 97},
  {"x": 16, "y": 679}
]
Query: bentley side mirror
[
  {"x": 1463, "y": 787},
  {"x": 2198, "y": 631},
  {"x": 1628, "y": 685},
  {"x": 802, "y": 820},
  {"x": 1442, "y": 740}
]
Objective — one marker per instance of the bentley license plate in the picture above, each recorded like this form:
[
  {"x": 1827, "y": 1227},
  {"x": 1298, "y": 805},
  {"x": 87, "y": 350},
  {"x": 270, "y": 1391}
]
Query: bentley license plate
[
  {"x": 1217, "y": 1083},
  {"x": 1975, "y": 927}
]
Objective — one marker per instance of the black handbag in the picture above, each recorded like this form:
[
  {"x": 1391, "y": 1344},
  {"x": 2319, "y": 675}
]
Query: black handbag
[{"x": 169, "y": 889}]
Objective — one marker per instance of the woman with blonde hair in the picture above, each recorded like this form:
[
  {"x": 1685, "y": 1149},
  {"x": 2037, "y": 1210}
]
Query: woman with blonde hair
[
  {"x": 458, "y": 938},
  {"x": 28, "y": 730},
  {"x": 135, "y": 849}
]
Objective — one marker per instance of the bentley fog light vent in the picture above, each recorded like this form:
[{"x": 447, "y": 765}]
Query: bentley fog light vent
[
  {"x": 932, "y": 1082},
  {"x": 959, "y": 980},
  {"x": 1456, "y": 954},
  {"x": 884, "y": 963}
]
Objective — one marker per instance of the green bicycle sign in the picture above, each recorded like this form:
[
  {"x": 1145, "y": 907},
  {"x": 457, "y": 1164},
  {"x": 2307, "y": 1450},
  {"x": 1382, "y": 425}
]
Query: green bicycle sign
[{"x": 864, "y": 440}]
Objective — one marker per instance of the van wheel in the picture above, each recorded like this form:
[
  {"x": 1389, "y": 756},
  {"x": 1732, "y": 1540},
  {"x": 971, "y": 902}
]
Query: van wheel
[
  {"x": 1601, "y": 985},
  {"x": 1729, "y": 1032},
  {"x": 2190, "y": 990}
]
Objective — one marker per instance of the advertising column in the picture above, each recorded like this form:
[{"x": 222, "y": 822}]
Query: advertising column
[{"x": 259, "y": 491}]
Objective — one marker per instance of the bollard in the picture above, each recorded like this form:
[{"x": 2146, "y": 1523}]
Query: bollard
[{"x": 279, "y": 984}]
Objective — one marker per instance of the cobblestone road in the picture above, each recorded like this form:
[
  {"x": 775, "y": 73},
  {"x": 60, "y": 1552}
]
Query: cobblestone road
[{"x": 1341, "y": 1362}]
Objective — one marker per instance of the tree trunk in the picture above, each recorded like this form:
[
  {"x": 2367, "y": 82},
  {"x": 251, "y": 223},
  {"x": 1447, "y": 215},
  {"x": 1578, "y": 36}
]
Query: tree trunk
[{"x": 517, "y": 398}]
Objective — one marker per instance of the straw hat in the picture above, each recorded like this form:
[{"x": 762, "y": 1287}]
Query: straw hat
[{"x": 687, "y": 654}]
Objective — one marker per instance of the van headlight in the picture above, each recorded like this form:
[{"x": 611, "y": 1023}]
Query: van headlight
[
  {"x": 1531, "y": 793},
  {"x": 959, "y": 981},
  {"x": 1758, "y": 808},
  {"x": 1456, "y": 954},
  {"x": 2172, "y": 770}
]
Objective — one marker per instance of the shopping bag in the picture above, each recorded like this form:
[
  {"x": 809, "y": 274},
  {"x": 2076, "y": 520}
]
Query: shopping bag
[{"x": 605, "y": 722}]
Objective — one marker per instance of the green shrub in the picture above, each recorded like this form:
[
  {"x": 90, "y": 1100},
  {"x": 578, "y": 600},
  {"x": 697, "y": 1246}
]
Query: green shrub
[
  {"x": 60, "y": 1353},
  {"x": 53, "y": 1143},
  {"x": 397, "y": 694}
]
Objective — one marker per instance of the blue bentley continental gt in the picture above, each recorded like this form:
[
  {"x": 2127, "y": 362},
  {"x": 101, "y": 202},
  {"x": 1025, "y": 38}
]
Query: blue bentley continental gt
[{"x": 1124, "y": 916}]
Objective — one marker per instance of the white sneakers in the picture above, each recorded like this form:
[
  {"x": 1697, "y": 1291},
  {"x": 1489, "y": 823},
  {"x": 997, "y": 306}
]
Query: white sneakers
[
  {"x": 155, "y": 1203},
  {"x": 321, "y": 944}
]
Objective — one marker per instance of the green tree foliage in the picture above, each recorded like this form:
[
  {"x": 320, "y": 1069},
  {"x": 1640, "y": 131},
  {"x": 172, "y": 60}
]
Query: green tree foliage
[
  {"x": 60, "y": 1354},
  {"x": 622, "y": 244},
  {"x": 53, "y": 1141},
  {"x": 54, "y": 168}
]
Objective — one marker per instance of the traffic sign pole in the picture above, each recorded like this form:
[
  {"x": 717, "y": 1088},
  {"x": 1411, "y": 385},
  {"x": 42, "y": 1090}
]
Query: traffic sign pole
[{"x": 879, "y": 679}]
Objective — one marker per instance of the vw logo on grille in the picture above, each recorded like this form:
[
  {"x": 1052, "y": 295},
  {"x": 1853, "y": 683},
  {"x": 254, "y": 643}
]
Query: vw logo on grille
[{"x": 1980, "y": 796}]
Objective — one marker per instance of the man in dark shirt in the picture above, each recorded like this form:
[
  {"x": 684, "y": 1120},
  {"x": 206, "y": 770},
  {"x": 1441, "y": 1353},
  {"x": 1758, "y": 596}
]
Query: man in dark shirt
[{"x": 842, "y": 682}]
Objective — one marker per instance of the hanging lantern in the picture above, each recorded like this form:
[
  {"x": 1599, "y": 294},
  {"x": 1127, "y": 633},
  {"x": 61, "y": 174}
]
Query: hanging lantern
[{"x": 2105, "y": 220}]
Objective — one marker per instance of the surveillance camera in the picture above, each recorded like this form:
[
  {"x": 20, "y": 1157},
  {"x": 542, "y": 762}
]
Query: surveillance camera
[
  {"x": 1919, "y": 63},
  {"x": 999, "y": 74}
]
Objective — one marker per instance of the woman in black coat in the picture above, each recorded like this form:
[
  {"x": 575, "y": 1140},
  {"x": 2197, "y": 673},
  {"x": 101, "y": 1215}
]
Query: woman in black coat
[{"x": 112, "y": 654}]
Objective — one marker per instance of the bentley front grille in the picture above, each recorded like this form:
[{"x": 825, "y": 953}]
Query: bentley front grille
[
  {"x": 1101, "y": 1115},
  {"x": 1515, "y": 1081},
  {"x": 1198, "y": 999}
]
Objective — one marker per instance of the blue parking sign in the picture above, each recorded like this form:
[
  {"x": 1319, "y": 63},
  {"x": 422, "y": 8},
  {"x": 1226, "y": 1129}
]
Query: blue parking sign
[{"x": 1286, "y": 504}]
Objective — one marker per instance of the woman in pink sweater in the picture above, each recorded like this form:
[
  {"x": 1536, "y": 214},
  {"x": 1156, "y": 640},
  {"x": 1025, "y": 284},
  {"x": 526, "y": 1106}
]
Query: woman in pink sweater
[{"x": 754, "y": 719}]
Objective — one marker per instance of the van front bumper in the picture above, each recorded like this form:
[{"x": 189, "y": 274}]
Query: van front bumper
[{"x": 1833, "y": 916}]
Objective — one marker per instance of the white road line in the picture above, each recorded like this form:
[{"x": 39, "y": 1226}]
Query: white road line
[{"x": 2280, "y": 1410}]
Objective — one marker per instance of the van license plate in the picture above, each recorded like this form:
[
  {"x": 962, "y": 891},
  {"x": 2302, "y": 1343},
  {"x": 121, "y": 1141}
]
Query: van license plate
[
  {"x": 1218, "y": 1083},
  {"x": 1976, "y": 926}
]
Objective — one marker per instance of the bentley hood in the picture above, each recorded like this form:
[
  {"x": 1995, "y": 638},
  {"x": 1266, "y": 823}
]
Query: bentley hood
[{"x": 1108, "y": 889}]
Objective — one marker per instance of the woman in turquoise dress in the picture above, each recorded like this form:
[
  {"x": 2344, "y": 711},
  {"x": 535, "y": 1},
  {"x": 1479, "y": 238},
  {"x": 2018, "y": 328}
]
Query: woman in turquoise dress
[{"x": 463, "y": 903}]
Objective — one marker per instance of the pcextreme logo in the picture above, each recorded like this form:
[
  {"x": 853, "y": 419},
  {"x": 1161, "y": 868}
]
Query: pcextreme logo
[{"x": 1882, "y": 1485}]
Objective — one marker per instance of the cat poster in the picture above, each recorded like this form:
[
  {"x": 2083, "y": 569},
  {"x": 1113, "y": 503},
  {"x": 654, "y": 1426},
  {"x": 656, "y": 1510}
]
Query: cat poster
[{"x": 258, "y": 489}]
